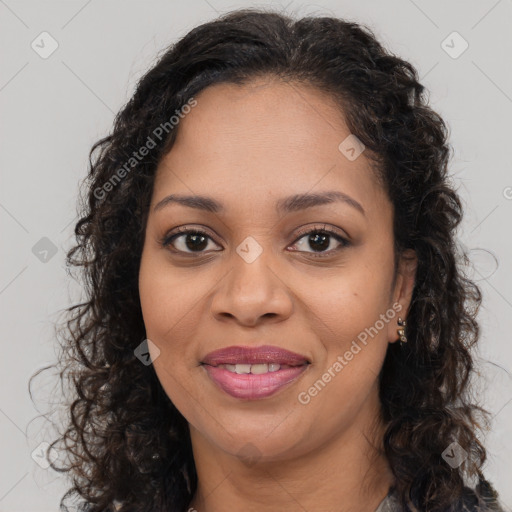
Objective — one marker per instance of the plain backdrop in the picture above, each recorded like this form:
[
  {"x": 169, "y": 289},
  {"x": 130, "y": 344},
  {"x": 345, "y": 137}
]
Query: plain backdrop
[{"x": 68, "y": 66}]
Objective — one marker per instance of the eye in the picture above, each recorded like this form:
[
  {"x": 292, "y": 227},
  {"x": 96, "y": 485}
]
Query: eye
[
  {"x": 320, "y": 239},
  {"x": 187, "y": 240}
]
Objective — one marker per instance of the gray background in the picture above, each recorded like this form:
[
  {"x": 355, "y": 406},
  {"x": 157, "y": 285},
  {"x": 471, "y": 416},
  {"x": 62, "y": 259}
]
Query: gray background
[{"x": 53, "y": 109}]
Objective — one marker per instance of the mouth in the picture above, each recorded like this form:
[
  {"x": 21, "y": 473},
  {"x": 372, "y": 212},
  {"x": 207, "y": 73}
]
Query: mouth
[
  {"x": 254, "y": 372},
  {"x": 260, "y": 359},
  {"x": 253, "y": 386},
  {"x": 255, "y": 368}
]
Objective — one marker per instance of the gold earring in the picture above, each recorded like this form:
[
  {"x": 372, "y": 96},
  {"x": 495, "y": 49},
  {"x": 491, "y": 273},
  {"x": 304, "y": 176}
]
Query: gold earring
[{"x": 401, "y": 332}]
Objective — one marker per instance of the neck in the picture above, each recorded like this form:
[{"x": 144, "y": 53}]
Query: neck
[{"x": 347, "y": 473}]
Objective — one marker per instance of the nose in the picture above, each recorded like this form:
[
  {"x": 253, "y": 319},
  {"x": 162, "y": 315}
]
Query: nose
[{"x": 252, "y": 293}]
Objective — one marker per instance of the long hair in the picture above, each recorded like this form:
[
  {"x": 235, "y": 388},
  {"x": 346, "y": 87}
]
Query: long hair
[{"x": 126, "y": 442}]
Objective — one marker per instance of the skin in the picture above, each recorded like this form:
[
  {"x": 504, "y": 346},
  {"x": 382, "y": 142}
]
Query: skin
[{"x": 247, "y": 147}]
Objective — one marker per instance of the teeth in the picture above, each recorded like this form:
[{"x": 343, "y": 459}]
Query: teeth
[
  {"x": 255, "y": 369},
  {"x": 242, "y": 368}
]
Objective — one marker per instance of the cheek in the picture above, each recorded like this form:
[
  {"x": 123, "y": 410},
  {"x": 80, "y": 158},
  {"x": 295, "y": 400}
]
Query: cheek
[
  {"x": 349, "y": 325},
  {"x": 167, "y": 304},
  {"x": 351, "y": 298},
  {"x": 167, "y": 299},
  {"x": 351, "y": 312}
]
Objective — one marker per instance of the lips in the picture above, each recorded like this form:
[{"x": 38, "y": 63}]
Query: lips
[
  {"x": 254, "y": 355},
  {"x": 254, "y": 387}
]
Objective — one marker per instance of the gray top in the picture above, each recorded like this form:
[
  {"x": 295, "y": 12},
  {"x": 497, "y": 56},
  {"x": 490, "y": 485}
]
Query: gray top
[
  {"x": 388, "y": 504},
  {"x": 467, "y": 504}
]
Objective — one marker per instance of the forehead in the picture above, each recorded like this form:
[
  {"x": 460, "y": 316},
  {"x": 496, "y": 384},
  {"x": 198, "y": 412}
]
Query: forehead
[
  {"x": 263, "y": 114},
  {"x": 266, "y": 137}
]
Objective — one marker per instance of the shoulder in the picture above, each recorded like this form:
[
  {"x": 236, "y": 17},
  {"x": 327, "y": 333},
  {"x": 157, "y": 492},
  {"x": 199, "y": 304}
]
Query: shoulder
[{"x": 484, "y": 499}]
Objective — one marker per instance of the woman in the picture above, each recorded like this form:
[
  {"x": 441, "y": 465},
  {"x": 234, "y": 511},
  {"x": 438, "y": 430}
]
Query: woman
[{"x": 276, "y": 318}]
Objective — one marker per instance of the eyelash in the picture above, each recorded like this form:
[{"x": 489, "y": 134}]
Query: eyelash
[{"x": 183, "y": 230}]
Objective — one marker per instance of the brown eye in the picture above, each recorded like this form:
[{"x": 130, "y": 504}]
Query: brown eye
[
  {"x": 322, "y": 242},
  {"x": 188, "y": 241}
]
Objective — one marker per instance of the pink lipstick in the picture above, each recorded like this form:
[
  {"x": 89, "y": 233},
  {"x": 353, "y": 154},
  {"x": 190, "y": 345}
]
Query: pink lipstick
[{"x": 253, "y": 372}]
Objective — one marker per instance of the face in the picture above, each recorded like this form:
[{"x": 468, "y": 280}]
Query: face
[{"x": 311, "y": 277}]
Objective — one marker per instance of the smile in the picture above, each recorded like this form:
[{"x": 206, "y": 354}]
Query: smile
[{"x": 256, "y": 381}]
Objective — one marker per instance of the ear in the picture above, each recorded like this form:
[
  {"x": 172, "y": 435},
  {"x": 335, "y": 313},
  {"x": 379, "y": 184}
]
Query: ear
[{"x": 402, "y": 292}]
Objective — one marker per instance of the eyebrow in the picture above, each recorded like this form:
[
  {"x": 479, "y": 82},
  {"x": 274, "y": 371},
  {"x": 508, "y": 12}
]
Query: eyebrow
[{"x": 289, "y": 204}]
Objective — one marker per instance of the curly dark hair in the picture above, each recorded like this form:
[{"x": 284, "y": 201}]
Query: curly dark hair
[{"x": 126, "y": 443}]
